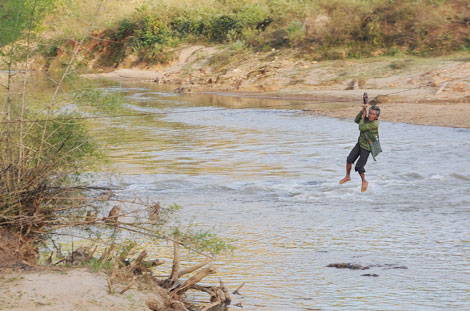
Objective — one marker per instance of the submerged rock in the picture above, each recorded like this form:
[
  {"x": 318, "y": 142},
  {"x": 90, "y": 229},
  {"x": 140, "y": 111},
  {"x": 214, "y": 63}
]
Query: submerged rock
[
  {"x": 388, "y": 266},
  {"x": 345, "y": 265},
  {"x": 182, "y": 90},
  {"x": 370, "y": 274}
]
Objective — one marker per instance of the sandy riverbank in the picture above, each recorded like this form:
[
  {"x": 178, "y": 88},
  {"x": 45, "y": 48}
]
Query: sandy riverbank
[
  {"x": 55, "y": 289},
  {"x": 422, "y": 107},
  {"x": 427, "y": 91}
]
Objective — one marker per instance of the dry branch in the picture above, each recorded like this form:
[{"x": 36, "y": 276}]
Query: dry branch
[
  {"x": 111, "y": 279},
  {"x": 131, "y": 283},
  {"x": 227, "y": 300},
  {"x": 206, "y": 289},
  {"x": 219, "y": 295},
  {"x": 154, "y": 262},
  {"x": 176, "y": 263},
  {"x": 237, "y": 291},
  {"x": 216, "y": 300},
  {"x": 195, "y": 279},
  {"x": 137, "y": 267},
  {"x": 194, "y": 268}
]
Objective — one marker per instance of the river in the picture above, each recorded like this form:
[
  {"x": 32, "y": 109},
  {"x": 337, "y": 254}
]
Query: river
[{"x": 268, "y": 177}]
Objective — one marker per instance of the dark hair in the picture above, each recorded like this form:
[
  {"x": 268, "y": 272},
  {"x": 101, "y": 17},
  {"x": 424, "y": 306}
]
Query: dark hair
[{"x": 376, "y": 108}]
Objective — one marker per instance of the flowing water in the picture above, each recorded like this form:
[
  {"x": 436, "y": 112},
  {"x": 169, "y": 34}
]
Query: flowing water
[{"x": 269, "y": 178}]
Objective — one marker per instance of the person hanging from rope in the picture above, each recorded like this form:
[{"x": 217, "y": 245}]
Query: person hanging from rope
[{"x": 369, "y": 131}]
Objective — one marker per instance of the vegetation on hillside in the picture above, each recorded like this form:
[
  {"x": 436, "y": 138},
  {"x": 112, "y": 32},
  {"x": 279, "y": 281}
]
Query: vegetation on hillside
[
  {"x": 317, "y": 29},
  {"x": 16, "y": 16}
]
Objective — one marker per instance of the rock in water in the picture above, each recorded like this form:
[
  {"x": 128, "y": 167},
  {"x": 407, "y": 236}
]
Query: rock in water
[{"x": 345, "y": 265}]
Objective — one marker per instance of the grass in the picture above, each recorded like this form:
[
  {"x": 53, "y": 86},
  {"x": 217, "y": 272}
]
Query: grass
[
  {"x": 318, "y": 29},
  {"x": 96, "y": 265},
  {"x": 72, "y": 17}
]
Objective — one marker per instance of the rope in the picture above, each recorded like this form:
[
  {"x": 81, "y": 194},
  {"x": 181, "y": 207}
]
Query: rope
[
  {"x": 146, "y": 114},
  {"x": 427, "y": 84}
]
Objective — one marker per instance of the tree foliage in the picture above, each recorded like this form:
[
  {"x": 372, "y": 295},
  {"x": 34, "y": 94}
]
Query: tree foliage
[{"x": 17, "y": 15}]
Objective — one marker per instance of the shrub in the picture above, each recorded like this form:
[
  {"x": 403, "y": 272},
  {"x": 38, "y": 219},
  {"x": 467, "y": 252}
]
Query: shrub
[
  {"x": 152, "y": 30},
  {"x": 296, "y": 32},
  {"x": 125, "y": 29},
  {"x": 33, "y": 190},
  {"x": 279, "y": 38},
  {"x": 251, "y": 15},
  {"x": 237, "y": 45},
  {"x": 183, "y": 26},
  {"x": 349, "y": 28},
  {"x": 221, "y": 26}
]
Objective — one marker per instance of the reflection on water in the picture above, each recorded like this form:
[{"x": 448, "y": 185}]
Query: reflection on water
[{"x": 269, "y": 178}]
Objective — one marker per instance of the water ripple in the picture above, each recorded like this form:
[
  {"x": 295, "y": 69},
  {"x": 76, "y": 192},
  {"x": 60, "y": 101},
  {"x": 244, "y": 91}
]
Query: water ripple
[{"x": 269, "y": 178}]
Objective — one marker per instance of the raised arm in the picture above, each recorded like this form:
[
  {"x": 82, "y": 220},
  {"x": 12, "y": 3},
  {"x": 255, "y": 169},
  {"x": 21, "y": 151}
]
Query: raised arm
[
  {"x": 358, "y": 117},
  {"x": 362, "y": 114}
]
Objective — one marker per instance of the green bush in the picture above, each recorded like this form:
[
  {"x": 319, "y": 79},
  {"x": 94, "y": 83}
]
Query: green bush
[
  {"x": 51, "y": 50},
  {"x": 152, "y": 30},
  {"x": 15, "y": 17},
  {"x": 125, "y": 29},
  {"x": 251, "y": 14},
  {"x": 183, "y": 26},
  {"x": 67, "y": 141},
  {"x": 279, "y": 38},
  {"x": 237, "y": 45},
  {"x": 296, "y": 32},
  {"x": 321, "y": 28},
  {"x": 221, "y": 26}
]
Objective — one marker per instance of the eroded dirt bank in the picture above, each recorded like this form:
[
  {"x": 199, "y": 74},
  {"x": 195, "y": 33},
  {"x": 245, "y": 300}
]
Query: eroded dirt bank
[{"x": 429, "y": 91}]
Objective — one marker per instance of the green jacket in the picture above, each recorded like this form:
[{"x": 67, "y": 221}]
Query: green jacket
[{"x": 369, "y": 130}]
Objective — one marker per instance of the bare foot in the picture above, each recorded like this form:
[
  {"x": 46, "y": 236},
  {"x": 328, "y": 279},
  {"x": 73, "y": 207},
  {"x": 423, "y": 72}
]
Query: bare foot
[
  {"x": 344, "y": 180},
  {"x": 365, "y": 184}
]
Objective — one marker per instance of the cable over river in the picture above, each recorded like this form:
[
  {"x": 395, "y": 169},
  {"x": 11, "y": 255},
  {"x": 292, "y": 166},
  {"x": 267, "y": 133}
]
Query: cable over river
[{"x": 269, "y": 179}]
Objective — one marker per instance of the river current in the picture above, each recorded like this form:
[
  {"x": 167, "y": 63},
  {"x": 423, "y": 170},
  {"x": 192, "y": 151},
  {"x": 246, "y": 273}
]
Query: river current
[{"x": 268, "y": 178}]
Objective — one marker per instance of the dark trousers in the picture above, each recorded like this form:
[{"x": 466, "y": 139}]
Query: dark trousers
[{"x": 360, "y": 153}]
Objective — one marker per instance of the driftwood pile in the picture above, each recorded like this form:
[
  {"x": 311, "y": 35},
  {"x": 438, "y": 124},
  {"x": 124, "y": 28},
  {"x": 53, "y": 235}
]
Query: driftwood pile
[
  {"x": 168, "y": 293},
  {"x": 176, "y": 288}
]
